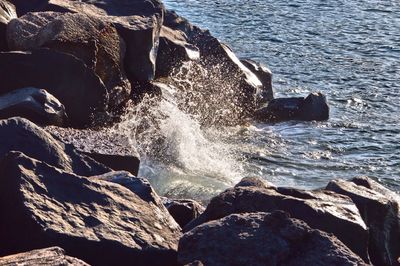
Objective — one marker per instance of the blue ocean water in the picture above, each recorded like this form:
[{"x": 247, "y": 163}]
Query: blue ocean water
[{"x": 349, "y": 50}]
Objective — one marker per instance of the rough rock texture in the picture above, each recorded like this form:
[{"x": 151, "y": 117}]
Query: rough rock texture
[
  {"x": 321, "y": 210},
  {"x": 266, "y": 94},
  {"x": 138, "y": 22},
  {"x": 63, "y": 75},
  {"x": 90, "y": 39},
  {"x": 111, "y": 148},
  {"x": 173, "y": 51},
  {"x": 262, "y": 239},
  {"x": 18, "y": 134},
  {"x": 54, "y": 256},
  {"x": 379, "y": 207},
  {"x": 37, "y": 105},
  {"x": 313, "y": 107},
  {"x": 7, "y": 13},
  {"x": 97, "y": 221},
  {"x": 183, "y": 210}
]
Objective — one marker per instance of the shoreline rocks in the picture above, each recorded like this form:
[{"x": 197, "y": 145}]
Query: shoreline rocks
[
  {"x": 82, "y": 215},
  {"x": 312, "y": 107},
  {"x": 262, "y": 239},
  {"x": 81, "y": 64}
]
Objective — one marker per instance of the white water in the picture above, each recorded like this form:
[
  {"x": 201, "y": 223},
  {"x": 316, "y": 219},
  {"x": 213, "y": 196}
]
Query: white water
[{"x": 179, "y": 155}]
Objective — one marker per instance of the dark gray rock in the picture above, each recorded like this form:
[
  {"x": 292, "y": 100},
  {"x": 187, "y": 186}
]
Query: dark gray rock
[
  {"x": 18, "y": 134},
  {"x": 54, "y": 256},
  {"x": 379, "y": 207},
  {"x": 63, "y": 75},
  {"x": 98, "y": 221},
  {"x": 321, "y": 210},
  {"x": 90, "y": 39},
  {"x": 262, "y": 239},
  {"x": 7, "y": 13},
  {"x": 37, "y": 105},
  {"x": 313, "y": 107},
  {"x": 173, "y": 51},
  {"x": 183, "y": 210},
  {"x": 266, "y": 93}
]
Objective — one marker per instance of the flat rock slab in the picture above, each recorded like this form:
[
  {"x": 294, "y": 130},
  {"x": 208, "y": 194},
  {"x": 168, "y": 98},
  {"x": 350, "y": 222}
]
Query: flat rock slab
[
  {"x": 106, "y": 146},
  {"x": 98, "y": 221},
  {"x": 262, "y": 239},
  {"x": 54, "y": 256}
]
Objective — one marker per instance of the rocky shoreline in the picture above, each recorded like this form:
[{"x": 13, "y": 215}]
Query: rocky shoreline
[{"x": 69, "y": 190}]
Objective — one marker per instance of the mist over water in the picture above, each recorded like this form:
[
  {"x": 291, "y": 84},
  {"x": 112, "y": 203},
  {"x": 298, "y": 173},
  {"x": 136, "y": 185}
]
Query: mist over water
[{"x": 349, "y": 50}]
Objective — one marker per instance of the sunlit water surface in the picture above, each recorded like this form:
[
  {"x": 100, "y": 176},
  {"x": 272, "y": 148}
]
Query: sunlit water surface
[{"x": 349, "y": 50}]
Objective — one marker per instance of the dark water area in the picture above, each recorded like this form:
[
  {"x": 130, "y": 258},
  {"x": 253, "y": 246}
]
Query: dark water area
[{"x": 349, "y": 50}]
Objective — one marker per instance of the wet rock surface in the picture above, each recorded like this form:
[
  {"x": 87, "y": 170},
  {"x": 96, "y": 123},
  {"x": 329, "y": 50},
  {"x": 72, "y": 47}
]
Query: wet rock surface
[
  {"x": 83, "y": 216},
  {"x": 312, "y": 107},
  {"x": 54, "y": 256},
  {"x": 262, "y": 239},
  {"x": 173, "y": 51},
  {"x": 379, "y": 208},
  {"x": 266, "y": 93},
  {"x": 37, "y": 105},
  {"x": 321, "y": 210}
]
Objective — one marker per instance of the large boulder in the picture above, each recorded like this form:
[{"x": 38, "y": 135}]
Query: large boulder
[
  {"x": 262, "y": 239},
  {"x": 18, "y": 134},
  {"x": 312, "y": 107},
  {"x": 322, "y": 210},
  {"x": 90, "y": 39},
  {"x": 37, "y": 105},
  {"x": 98, "y": 221},
  {"x": 138, "y": 22},
  {"x": 379, "y": 207},
  {"x": 173, "y": 51},
  {"x": 112, "y": 149},
  {"x": 63, "y": 75},
  {"x": 54, "y": 256},
  {"x": 7, "y": 13}
]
